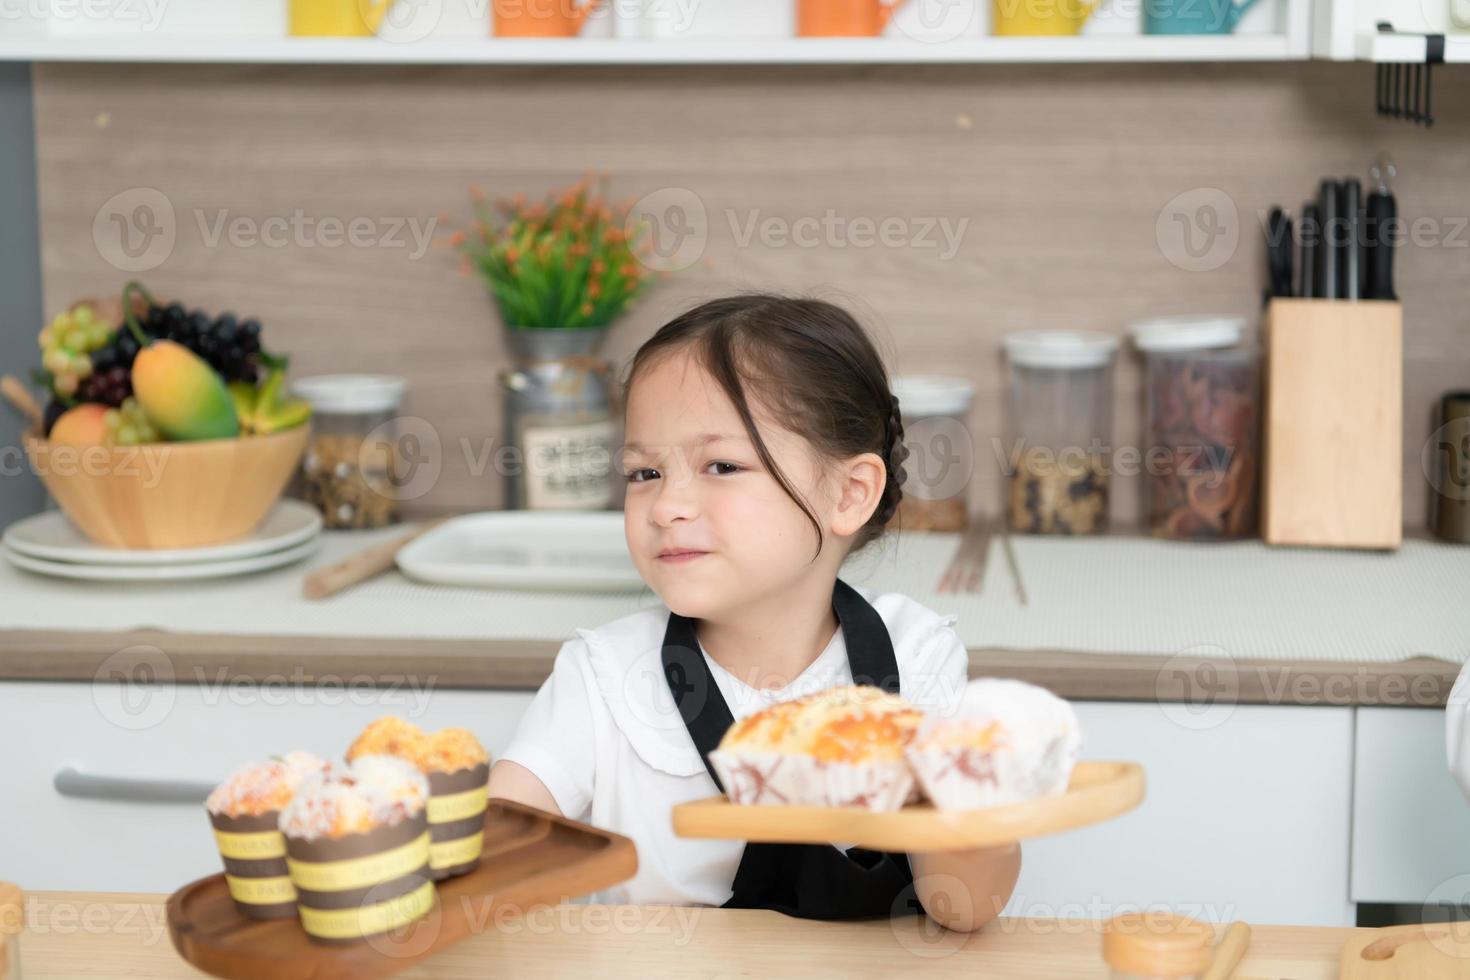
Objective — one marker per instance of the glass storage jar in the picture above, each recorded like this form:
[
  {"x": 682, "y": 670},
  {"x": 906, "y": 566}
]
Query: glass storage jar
[
  {"x": 350, "y": 467},
  {"x": 1202, "y": 458},
  {"x": 941, "y": 453},
  {"x": 1059, "y": 430}
]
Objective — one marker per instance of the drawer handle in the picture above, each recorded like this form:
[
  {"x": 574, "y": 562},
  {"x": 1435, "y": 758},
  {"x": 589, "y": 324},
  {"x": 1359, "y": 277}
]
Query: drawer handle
[{"x": 72, "y": 782}]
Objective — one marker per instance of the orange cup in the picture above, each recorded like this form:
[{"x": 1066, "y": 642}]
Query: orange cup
[
  {"x": 844, "y": 18},
  {"x": 541, "y": 18}
]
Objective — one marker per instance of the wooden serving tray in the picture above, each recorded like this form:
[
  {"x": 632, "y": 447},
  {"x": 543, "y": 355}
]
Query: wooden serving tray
[
  {"x": 1433, "y": 951},
  {"x": 530, "y": 858},
  {"x": 1098, "y": 791}
]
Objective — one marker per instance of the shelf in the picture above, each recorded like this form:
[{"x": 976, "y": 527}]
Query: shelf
[
  {"x": 1409, "y": 48},
  {"x": 597, "y": 51}
]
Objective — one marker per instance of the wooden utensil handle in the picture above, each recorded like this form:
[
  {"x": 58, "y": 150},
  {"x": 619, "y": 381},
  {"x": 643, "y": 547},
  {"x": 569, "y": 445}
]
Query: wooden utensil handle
[
  {"x": 20, "y": 396},
  {"x": 359, "y": 567}
]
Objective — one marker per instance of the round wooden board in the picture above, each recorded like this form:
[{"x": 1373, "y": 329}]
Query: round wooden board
[{"x": 1098, "y": 791}]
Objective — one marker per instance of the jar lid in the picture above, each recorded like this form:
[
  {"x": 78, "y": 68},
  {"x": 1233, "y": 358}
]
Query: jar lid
[
  {"x": 1060, "y": 348},
  {"x": 1174, "y": 333},
  {"x": 351, "y": 394},
  {"x": 1157, "y": 944},
  {"x": 922, "y": 396}
]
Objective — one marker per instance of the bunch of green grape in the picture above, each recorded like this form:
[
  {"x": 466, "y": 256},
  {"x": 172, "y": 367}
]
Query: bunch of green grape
[
  {"x": 128, "y": 426},
  {"x": 67, "y": 343}
]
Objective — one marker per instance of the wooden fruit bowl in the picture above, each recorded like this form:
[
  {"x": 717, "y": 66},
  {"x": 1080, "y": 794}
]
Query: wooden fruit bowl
[{"x": 171, "y": 494}]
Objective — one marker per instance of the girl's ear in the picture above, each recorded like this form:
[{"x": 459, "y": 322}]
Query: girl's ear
[{"x": 860, "y": 484}]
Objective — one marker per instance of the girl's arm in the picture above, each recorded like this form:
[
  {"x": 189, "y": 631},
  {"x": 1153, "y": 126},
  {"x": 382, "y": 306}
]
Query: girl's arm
[
  {"x": 963, "y": 890},
  {"x": 513, "y": 781}
]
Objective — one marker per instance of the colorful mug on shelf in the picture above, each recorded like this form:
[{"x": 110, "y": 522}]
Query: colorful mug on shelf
[
  {"x": 336, "y": 18},
  {"x": 1040, "y": 18},
  {"x": 1193, "y": 16},
  {"x": 844, "y": 18},
  {"x": 542, "y": 18}
]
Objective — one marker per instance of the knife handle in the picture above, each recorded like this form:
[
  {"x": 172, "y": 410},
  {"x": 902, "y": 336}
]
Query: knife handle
[
  {"x": 1382, "y": 217},
  {"x": 1327, "y": 249},
  {"x": 1311, "y": 231},
  {"x": 1349, "y": 272}
]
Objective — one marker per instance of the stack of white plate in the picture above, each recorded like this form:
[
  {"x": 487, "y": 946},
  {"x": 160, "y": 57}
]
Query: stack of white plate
[{"x": 51, "y": 545}]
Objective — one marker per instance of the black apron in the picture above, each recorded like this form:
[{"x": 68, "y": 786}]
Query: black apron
[{"x": 810, "y": 881}]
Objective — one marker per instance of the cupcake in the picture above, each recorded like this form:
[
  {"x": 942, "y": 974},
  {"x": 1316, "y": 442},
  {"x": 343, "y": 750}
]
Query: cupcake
[
  {"x": 244, "y": 810},
  {"x": 1006, "y": 742},
  {"x": 458, "y": 769},
  {"x": 841, "y": 747},
  {"x": 357, "y": 844}
]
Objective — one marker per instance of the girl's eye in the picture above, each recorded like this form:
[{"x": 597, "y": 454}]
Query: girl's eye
[
  {"x": 639, "y": 476},
  {"x": 729, "y": 468}
]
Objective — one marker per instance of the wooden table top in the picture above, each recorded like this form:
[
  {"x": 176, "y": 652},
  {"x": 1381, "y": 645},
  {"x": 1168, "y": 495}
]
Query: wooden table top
[{"x": 77, "y": 934}]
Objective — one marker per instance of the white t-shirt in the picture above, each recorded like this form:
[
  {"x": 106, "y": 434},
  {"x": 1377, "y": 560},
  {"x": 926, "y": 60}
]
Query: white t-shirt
[{"x": 605, "y": 737}]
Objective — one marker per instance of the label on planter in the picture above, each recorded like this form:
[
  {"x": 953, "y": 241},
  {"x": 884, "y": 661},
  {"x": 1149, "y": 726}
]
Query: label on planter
[{"x": 568, "y": 467}]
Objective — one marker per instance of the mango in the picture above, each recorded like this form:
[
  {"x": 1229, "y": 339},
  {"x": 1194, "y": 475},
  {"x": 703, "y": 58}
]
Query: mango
[
  {"x": 84, "y": 425},
  {"x": 182, "y": 395}
]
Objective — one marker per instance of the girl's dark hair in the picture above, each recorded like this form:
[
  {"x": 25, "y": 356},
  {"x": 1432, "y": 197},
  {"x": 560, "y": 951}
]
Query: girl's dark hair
[{"x": 815, "y": 369}]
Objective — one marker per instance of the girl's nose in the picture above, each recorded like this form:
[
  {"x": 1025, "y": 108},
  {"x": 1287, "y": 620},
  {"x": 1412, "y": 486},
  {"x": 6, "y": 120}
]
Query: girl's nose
[{"x": 676, "y": 499}]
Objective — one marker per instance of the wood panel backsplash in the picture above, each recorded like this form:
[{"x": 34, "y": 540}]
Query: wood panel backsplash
[{"x": 1062, "y": 173}]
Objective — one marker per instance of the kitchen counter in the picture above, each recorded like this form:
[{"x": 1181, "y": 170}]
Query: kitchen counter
[
  {"x": 1114, "y": 619},
  {"x": 75, "y": 934}
]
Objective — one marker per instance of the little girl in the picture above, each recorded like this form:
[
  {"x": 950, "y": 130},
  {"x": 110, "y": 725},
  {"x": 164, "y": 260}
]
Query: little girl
[{"x": 763, "y": 447}]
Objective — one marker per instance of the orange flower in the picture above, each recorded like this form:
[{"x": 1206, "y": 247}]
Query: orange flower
[
  {"x": 476, "y": 193},
  {"x": 457, "y": 239},
  {"x": 512, "y": 256},
  {"x": 594, "y": 289},
  {"x": 464, "y": 265},
  {"x": 586, "y": 309},
  {"x": 598, "y": 267},
  {"x": 628, "y": 270}
]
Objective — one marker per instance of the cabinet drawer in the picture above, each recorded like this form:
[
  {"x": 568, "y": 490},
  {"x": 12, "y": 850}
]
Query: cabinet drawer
[
  {"x": 1411, "y": 823},
  {"x": 1244, "y": 819},
  {"x": 178, "y": 734}
]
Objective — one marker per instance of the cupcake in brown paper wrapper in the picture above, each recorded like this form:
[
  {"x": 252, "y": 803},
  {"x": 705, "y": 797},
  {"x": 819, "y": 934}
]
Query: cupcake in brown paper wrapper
[
  {"x": 458, "y": 769},
  {"x": 1006, "y": 742},
  {"x": 244, "y": 811},
  {"x": 357, "y": 846},
  {"x": 841, "y": 747}
]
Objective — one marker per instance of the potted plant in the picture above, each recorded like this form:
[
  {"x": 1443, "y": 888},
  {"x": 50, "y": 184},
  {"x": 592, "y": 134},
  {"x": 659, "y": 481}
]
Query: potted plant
[{"x": 560, "y": 271}]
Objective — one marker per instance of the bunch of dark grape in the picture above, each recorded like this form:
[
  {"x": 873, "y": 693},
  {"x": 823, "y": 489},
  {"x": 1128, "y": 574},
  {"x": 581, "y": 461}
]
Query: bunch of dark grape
[
  {"x": 231, "y": 346},
  {"x": 109, "y": 386}
]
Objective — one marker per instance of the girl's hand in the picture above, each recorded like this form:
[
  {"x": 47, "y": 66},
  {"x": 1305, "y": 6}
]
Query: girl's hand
[{"x": 963, "y": 890}]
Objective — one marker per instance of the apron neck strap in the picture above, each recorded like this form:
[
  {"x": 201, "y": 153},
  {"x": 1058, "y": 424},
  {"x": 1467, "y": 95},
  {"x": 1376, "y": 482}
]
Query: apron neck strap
[{"x": 703, "y": 709}]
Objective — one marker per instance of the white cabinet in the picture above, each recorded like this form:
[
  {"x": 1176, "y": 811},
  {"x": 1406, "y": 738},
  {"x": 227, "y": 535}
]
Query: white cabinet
[
  {"x": 1246, "y": 817},
  {"x": 1411, "y": 823},
  {"x": 187, "y": 733}
]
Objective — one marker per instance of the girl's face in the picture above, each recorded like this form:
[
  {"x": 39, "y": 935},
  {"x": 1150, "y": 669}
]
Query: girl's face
[{"x": 709, "y": 528}]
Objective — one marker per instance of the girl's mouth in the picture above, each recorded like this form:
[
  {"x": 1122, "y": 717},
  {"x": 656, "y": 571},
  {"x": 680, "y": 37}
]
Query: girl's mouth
[{"x": 680, "y": 555}]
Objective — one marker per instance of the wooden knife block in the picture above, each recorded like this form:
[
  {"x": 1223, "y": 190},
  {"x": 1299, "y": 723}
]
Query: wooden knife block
[{"x": 1334, "y": 424}]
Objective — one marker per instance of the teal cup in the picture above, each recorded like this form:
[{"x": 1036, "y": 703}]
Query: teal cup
[{"x": 1193, "y": 16}]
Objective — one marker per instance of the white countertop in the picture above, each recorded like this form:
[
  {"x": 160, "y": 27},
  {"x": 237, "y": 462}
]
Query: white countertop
[{"x": 1105, "y": 595}]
